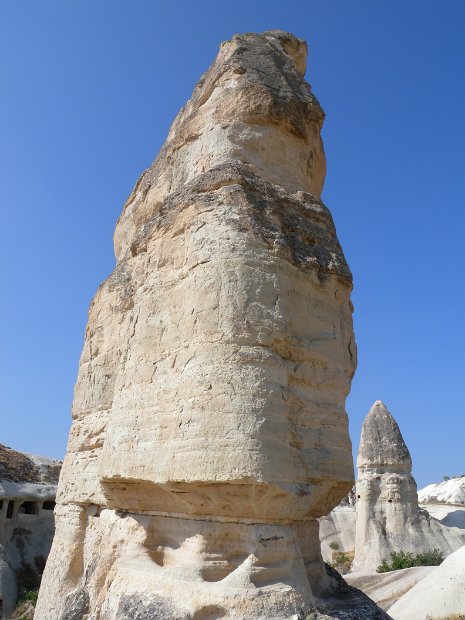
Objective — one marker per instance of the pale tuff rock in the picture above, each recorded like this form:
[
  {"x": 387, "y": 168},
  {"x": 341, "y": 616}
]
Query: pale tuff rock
[
  {"x": 448, "y": 514},
  {"x": 209, "y": 427},
  {"x": 450, "y": 491},
  {"x": 387, "y": 588},
  {"x": 445, "y": 501},
  {"x": 28, "y": 486},
  {"x": 440, "y": 595},
  {"x": 381, "y": 443},
  {"x": 388, "y": 517},
  {"x": 337, "y": 529}
]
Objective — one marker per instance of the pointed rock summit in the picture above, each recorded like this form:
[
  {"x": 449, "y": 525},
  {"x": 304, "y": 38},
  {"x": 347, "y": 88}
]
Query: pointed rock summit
[
  {"x": 381, "y": 442},
  {"x": 388, "y": 518},
  {"x": 209, "y": 427}
]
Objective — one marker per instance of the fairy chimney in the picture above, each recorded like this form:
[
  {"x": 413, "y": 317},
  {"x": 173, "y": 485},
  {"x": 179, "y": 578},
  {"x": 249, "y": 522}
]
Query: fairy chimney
[
  {"x": 209, "y": 427},
  {"x": 388, "y": 517}
]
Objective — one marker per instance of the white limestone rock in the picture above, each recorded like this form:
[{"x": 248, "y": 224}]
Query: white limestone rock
[
  {"x": 450, "y": 491},
  {"x": 440, "y": 595},
  {"x": 209, "y": 427},
  {"x": 448, "y": 514},
  {"x": 445, "y": 501},
  {"x": 388, "y": 516},
  {"x": 337, "y": 529},
  {"x": 387, "y": 588}
]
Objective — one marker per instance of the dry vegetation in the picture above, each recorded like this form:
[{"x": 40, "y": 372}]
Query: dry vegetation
[
  {"x": 17, "y": 467},
  {"x": 342, "y": 561}
]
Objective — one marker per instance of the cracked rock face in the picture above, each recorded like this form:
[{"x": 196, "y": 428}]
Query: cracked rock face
[
  {"x": 209, "y": 427},
  {"x": 388, "y": 517}
]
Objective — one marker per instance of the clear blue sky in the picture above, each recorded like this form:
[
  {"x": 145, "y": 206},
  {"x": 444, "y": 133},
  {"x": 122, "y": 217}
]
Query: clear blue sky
[{"x": 88, "y": 91}]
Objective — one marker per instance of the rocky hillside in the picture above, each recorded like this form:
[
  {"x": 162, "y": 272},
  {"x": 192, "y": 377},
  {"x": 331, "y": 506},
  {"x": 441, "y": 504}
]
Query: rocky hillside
[
  {"x": 448, "y": 492},
  {"x": 22, "y": 468}
]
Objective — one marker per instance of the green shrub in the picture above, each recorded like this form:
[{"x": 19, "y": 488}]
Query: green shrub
[
  {"x": 28, "y": 596},
  {"x": 401, "y": 559},
  {"x": 430, "y": 558},
  {"x": 27, "y": 578},
  {"x": 334, "y": 545}
]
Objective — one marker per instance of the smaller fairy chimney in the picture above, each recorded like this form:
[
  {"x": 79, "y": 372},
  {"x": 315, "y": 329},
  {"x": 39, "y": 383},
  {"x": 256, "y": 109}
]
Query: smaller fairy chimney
[{"x": 388, "y": 517}]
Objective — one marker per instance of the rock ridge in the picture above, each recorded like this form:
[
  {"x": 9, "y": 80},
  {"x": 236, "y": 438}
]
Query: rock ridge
[{"x": 17, "y": 466}]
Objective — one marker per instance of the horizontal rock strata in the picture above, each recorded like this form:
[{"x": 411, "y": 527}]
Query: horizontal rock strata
[{"x": 209, "y": 428}]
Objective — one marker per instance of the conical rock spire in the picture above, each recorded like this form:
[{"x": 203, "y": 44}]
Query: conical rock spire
[
  {"x": 381, "y": 442},
  {"x": 388, "y": 518}
]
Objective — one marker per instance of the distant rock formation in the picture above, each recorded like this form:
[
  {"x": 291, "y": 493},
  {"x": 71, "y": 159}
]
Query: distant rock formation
[
  {"x": 337, "y": 529},
  {"x": 451, "y": 491},
  {"x": 445, "y": 501},
  {"x": 440, "y": 595},
  {"x": 28, "y": 486},
  {"x": 388, "y": 516},
  {"x": 209, "y": 427}
]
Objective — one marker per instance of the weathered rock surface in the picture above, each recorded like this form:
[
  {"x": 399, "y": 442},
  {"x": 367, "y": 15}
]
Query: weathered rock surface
[
  {"x": 445, "y": 501},
  {"x": 209, "y": 427},
  {"x": 388, "y": 517},
  {"x": 387, "y": 588},
  {"x": 447, "y": 514},
  {"x": 439, "y": 596}
]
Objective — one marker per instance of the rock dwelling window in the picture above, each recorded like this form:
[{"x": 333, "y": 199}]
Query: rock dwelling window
[
  {"x": 10, "y": 510},
  {"x": 1, "y": 504},
  {"x": 48, "y": 505},
  {"x": 28, "y": 508}
]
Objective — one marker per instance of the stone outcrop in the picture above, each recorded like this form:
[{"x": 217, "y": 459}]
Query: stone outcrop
[
  {"x": 28, "y": 486},
  {"x": 209, "y": 428},
  {"x": 388, "y": 516},
  {"x": 439, "y": 596}
]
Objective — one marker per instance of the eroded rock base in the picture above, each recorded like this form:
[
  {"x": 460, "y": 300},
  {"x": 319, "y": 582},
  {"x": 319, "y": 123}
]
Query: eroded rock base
[{"x": 141, "y": 566}]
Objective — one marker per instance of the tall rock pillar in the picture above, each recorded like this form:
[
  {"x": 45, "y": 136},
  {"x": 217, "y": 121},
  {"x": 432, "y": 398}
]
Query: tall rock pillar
[
  {"x": 209, "y": 427},
  {"x": 388, "y": 517}
]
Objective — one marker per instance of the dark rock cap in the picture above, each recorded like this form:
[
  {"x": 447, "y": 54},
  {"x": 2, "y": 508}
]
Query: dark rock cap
[{"x": 381, "y": 442}]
